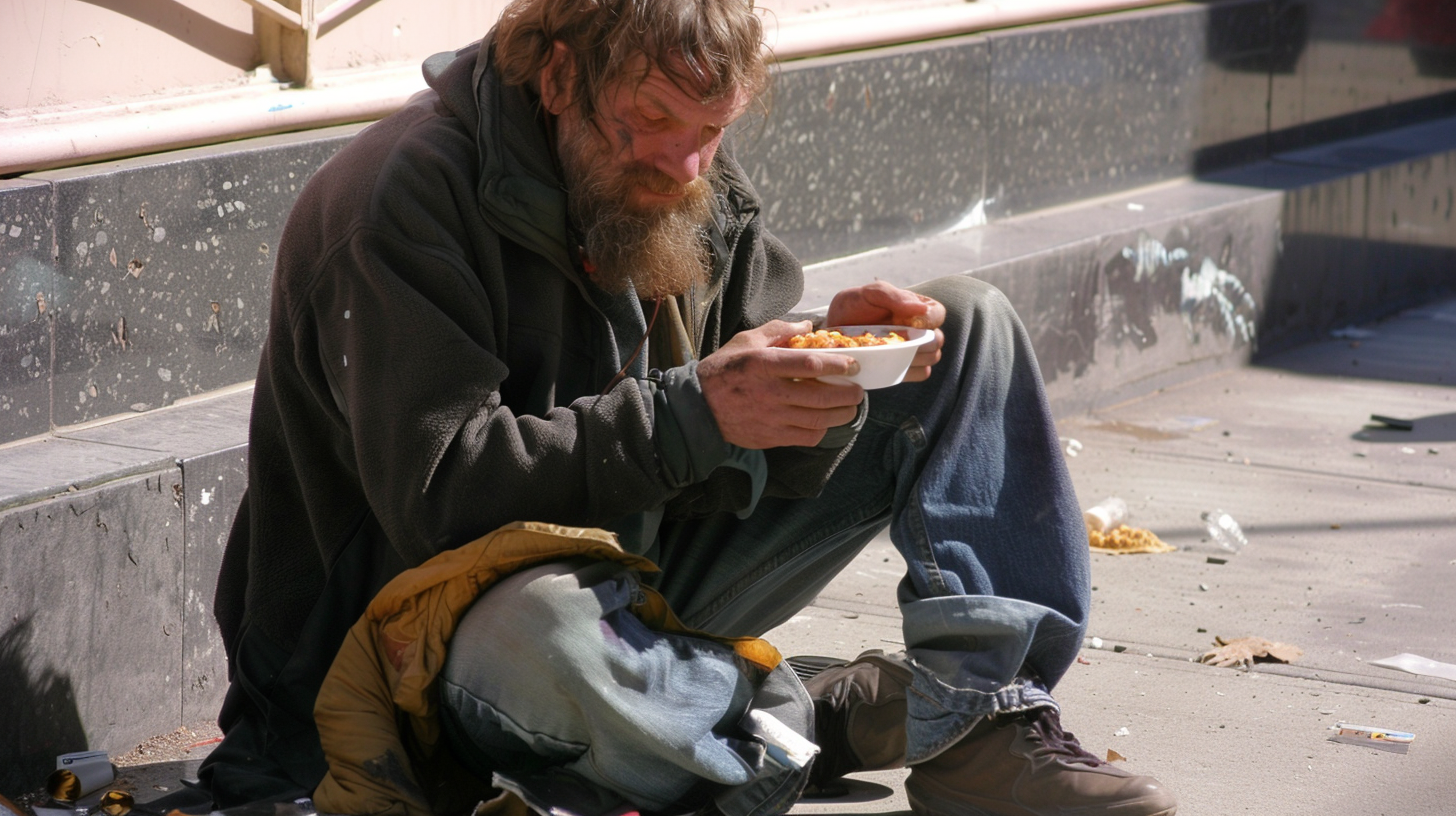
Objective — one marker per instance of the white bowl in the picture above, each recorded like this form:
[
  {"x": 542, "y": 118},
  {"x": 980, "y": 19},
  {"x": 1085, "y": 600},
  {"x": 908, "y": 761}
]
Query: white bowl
[{"x": 879, "y": 366}]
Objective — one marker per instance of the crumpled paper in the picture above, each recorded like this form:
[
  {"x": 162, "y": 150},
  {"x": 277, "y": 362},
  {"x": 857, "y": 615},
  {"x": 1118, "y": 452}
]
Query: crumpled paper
[{"x": 1246, "y": 651}]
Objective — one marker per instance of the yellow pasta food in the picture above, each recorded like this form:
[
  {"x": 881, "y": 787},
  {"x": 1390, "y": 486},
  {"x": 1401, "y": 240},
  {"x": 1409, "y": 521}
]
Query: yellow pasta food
[
  {"x": 1125, "y": 539},
  {"x": 828, "y": 338}
]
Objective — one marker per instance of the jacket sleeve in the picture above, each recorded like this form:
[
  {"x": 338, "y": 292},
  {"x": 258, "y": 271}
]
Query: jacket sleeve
[
  {"x": 766, "y": 281},
  {"x": 402, "y": 337}
]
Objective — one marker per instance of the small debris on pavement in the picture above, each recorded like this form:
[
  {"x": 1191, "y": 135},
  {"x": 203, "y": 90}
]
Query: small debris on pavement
[
  {"x": 1105, "y": 515},
  {"x": 1224, "y": 531},
  {"x": 1371, "y": 736},
  {"x": 1113, "y": 756},
  {"x": 1393, "y": 423},
  {"x": 1213, "y": 559},
  {"x": 1415, "y": 664},
  {"x": 1124, "y": 540},
  {"x": 1073, "y": 447},
  {"x": 1246, "y": 651},
  {"x": 1121, "y": 732}
]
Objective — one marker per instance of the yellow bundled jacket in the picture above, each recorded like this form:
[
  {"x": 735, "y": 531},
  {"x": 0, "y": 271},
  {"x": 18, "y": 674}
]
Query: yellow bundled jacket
[{"x": 376, "y": 710}]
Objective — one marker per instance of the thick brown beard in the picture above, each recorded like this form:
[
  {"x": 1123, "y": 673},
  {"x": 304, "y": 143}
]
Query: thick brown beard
[{"x": 661, "y": 251}]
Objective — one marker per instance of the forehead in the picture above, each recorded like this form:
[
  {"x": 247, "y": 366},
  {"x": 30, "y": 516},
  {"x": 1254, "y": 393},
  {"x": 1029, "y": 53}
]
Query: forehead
[{"x": 654, "y": 91}]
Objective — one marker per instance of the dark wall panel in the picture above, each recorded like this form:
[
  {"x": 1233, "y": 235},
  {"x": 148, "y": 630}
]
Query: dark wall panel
[
  {"x": 26, "y": 289},
  {"x": 864, "y": 151},
  {"x": 213, "y": 485},
  {"x": 162, "y": 283},
  {"x": 91, "y": 623}
]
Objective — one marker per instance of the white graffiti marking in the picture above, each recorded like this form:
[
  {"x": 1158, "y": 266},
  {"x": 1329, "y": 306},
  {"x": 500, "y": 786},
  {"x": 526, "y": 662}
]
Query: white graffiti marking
[
  {"x": 1150, "y": 255},
  {"x": 1226, "y": 292}
]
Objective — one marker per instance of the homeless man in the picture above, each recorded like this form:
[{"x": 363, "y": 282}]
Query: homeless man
[{"x": 530, "y": 470}]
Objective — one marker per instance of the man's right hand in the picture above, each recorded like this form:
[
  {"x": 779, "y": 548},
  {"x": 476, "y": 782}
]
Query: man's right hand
[{"x": 764, "y": 396}]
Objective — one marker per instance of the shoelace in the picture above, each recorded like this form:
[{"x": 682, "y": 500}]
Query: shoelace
[{"x": 1046, "y": 725}]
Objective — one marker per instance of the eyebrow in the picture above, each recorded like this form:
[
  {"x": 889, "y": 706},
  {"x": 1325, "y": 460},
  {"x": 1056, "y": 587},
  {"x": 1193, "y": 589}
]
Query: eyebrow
[{"x": 657, "y": 102}]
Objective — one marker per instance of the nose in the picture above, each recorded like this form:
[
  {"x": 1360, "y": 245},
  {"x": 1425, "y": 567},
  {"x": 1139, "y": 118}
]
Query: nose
[{"x": 680, "y": 160}]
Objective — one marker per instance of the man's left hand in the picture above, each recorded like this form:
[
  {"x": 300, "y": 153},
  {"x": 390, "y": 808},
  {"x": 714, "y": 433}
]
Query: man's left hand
[{"x": 880, "y": 303}]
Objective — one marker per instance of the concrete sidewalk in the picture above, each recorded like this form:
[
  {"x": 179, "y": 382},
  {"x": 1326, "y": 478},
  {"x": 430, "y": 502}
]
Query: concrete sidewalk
[
  {"x": 1351, "y": 557},
  {"x": 1352, "y": 550}
]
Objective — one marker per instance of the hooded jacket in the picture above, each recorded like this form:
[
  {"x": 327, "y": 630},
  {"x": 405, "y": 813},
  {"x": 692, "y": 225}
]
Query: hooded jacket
[{"x": 434, "y": 370}]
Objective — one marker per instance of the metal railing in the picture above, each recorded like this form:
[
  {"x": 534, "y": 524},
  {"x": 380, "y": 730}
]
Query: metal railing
[{"x": 287, "y": 34}]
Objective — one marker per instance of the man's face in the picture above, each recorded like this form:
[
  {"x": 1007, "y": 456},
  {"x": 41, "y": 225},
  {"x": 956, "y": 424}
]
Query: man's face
[{"x": 635, "y": 181}]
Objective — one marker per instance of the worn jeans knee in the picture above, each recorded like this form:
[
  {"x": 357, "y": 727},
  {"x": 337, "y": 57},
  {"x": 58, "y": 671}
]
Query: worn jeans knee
[{"x": 549, "y": 668}]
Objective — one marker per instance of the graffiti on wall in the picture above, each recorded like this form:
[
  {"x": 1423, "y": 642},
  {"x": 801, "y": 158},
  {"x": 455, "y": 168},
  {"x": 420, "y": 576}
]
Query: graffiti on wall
[
  {"x": 1207, "y": 296},
  {"x": 1126, "y": 298}
]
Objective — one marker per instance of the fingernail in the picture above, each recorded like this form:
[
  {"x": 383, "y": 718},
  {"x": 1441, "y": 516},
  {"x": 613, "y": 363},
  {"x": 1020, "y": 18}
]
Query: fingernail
[
  {"x": 917, "y": 322},
  {"x": 853, "y": 367}
]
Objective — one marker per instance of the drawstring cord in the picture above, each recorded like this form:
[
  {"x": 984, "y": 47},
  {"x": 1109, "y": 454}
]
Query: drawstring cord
[{"x": 621, "y": 375}]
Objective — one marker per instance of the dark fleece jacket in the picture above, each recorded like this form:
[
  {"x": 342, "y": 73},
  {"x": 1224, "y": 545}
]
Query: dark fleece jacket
[{"x": 432, "y": 372}]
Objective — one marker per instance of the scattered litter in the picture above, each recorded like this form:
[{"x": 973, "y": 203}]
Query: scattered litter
[
  {"x": 1113, "y": 756},
  {"x": 1121, "y": 732},
  {"x": 1203, "y": 587},
  {"x": 1125, "y": 540},
  {"x": 1370, "y": 736},
  {"x": 1353, "y": 333},
  {"x": 1105, "y": 515},
  {"x": 1424, "y": 700},
  {"x": 1085, "y": 662},
  {"x": 1134, "y": 206},
  {"x": 1119, "y": 648},
  {"x": 1224, "y": 531},
  {"x": 1433, "y": 451},
  {"x": 1407, "y": 450},
  {"x": 1401, "y": 606},
  {"x": 1097, "y": 643},
  {"x": 1073, "y": 447},
  {"x": 1185, "y": 424},
  {"x": 1107, "y": 531},
  {"x": 1213, "y": 559},
  {"x": 1246, "y": 651},
  {"x": 78, "y": 774},
  {"x": 1415, "y": 664},
  {"x": 1392, "y": 422}
]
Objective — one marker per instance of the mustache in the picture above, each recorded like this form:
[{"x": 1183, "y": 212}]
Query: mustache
[{"x": 656, "y": 181}]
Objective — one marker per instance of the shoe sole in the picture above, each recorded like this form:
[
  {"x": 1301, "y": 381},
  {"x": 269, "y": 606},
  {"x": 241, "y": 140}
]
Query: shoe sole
[{"x": 919, "y": 808}]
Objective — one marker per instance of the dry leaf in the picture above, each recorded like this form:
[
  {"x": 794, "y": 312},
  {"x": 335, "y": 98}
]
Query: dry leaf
[
  {"x": 1124, "y": 539},
  {"x": 1113, "y": 756},
  {"x": 1246, "y": 651}
]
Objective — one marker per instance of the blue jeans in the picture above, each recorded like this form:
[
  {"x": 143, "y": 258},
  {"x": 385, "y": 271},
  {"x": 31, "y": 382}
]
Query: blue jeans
[{"x": 967, "y": 472}]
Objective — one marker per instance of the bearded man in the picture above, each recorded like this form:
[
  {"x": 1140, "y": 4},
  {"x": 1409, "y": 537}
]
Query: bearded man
[{"x": 525, "y": 391}]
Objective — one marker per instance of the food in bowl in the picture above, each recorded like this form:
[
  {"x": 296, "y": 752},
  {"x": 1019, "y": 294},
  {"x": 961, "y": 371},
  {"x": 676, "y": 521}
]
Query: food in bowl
[
  {"x": 829, "y": 338},
  {"x": 883, "y": 358}
]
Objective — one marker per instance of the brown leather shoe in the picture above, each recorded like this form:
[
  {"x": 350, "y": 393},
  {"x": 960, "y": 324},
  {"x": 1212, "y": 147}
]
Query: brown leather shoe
[
  {"x": 859, "y": 716},
  {"x": 1026, "y": 765}
]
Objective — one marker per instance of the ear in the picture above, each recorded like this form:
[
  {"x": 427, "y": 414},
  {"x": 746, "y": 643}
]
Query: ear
[{"x": 556, "y": 79}]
